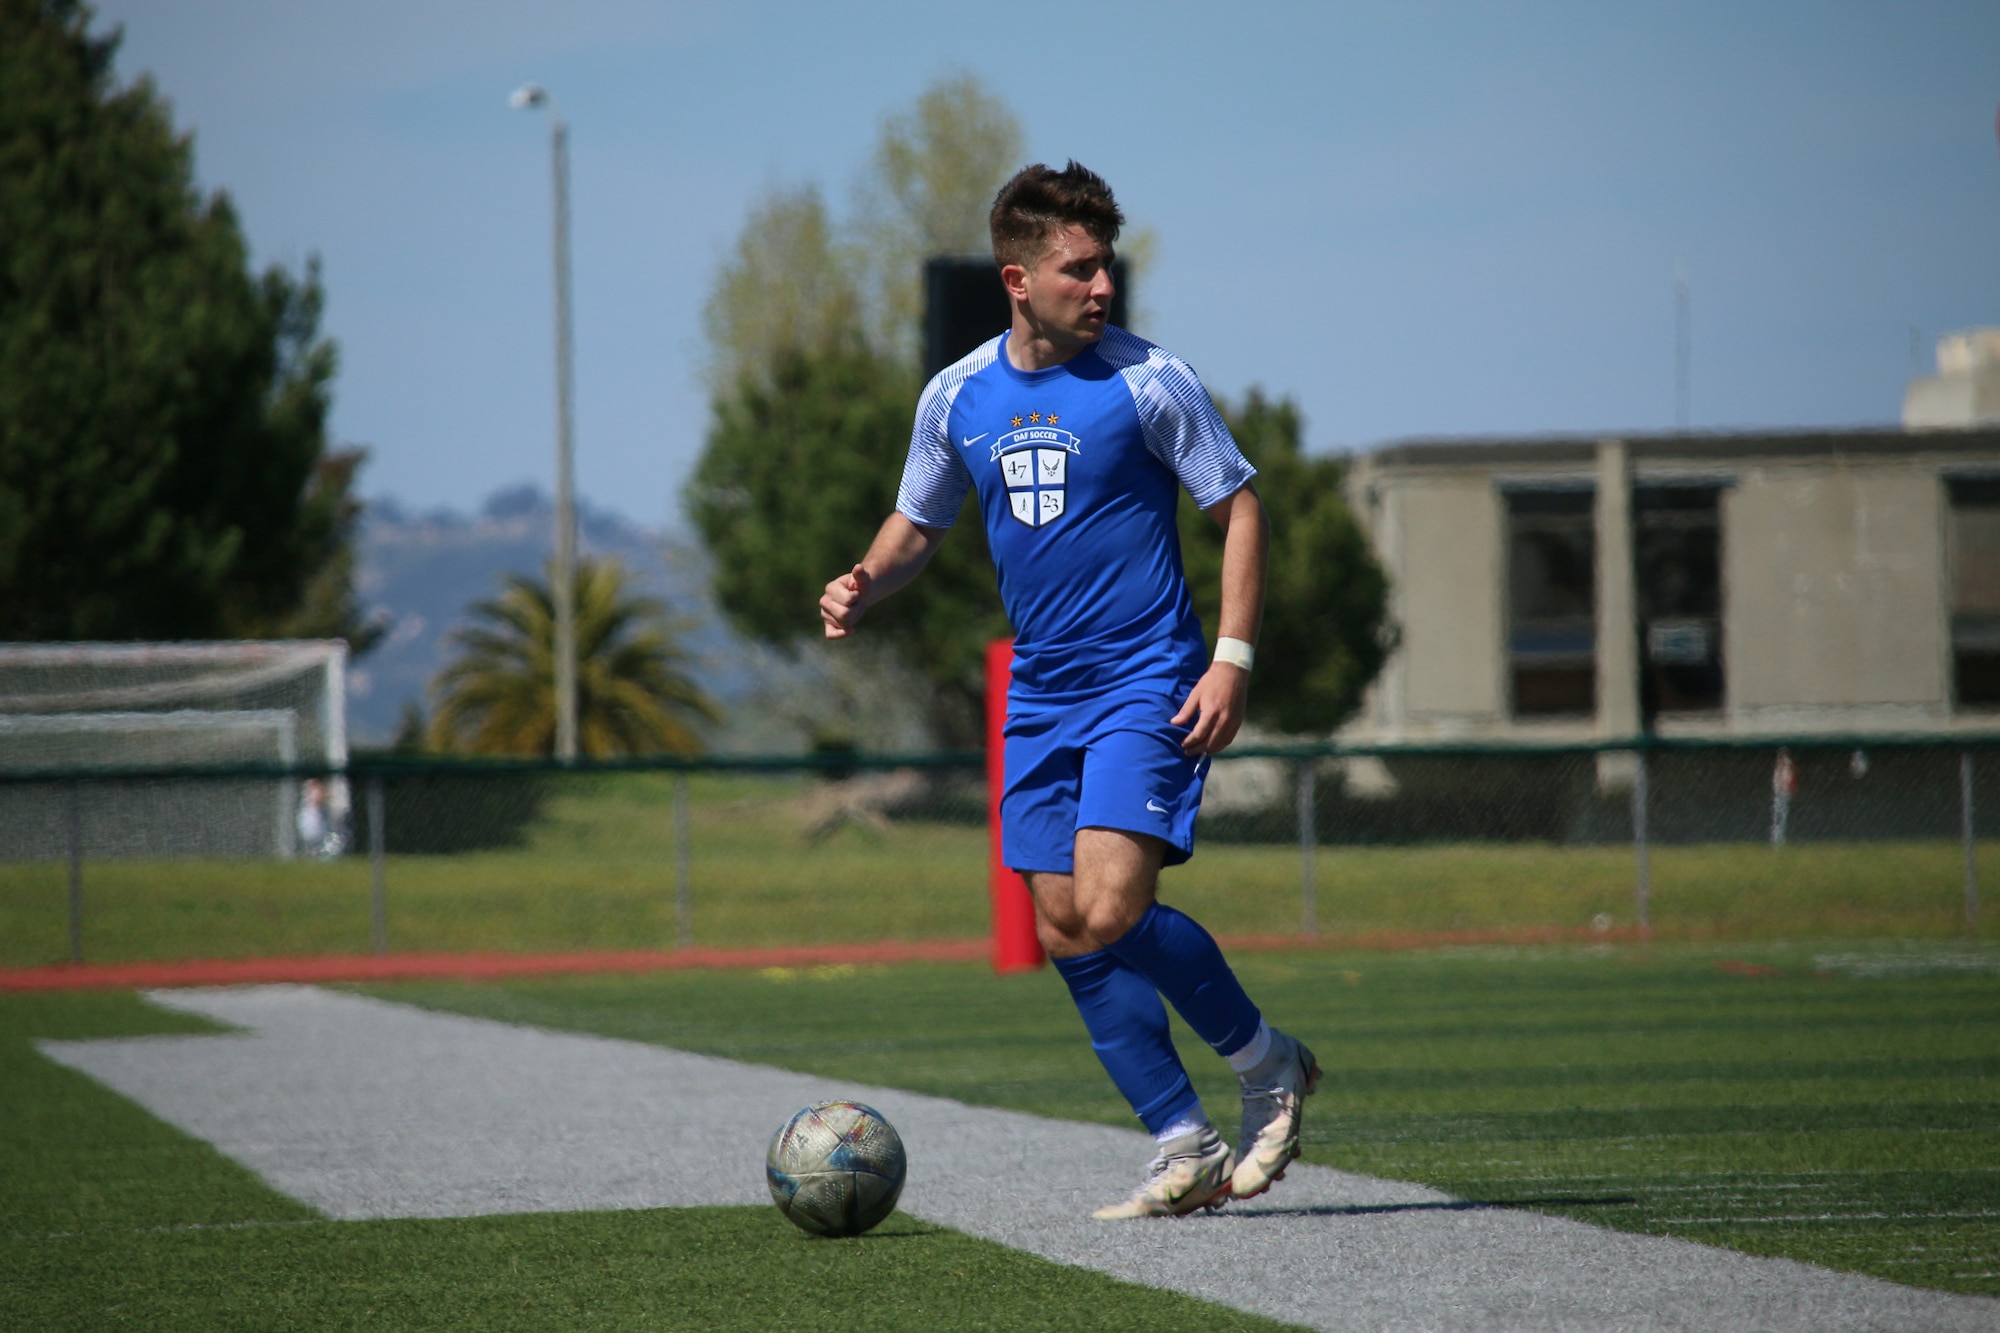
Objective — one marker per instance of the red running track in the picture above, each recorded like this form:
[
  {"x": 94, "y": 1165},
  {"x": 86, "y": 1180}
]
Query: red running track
[{"x": 314, "y": 968}]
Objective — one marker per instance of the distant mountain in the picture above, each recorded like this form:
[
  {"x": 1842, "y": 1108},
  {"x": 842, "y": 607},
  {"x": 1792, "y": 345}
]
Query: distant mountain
[{"x": 423, "y": 570}]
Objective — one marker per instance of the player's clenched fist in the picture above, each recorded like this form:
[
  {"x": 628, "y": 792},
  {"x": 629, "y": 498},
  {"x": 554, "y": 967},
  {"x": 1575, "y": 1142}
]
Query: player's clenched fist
[{"x": 843, "y": 602}]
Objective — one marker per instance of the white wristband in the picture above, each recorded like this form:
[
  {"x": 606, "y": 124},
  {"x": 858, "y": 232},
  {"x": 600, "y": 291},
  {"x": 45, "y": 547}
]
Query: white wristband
[{"x": 1235, "y": 652}]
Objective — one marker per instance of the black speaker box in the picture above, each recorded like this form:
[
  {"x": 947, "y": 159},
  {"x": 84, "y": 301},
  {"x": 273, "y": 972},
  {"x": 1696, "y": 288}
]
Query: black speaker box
[{"x": 964, "y": 305}]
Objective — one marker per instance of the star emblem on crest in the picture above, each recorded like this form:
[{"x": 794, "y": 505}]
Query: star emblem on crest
[
  {"x": 1052, "y": 418},
  {"x": 1017, "y": 421},
  {"x": 1034, "y": 418}
]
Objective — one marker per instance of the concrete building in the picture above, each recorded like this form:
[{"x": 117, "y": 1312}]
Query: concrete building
[
  {"x": 1695, "y": 584},
  {"x": 1966, "y": 389}
]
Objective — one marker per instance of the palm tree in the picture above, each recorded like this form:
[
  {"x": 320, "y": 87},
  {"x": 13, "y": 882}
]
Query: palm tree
[{"x": 633, "y": 695}]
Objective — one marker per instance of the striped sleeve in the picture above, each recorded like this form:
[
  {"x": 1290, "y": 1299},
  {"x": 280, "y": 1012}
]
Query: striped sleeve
[
  {"x": 934, "y": 476},
  {"x": 1183, "y": 429}
]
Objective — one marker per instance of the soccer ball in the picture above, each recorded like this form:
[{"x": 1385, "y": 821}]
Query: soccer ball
[{"x": 835, "y": 1168}]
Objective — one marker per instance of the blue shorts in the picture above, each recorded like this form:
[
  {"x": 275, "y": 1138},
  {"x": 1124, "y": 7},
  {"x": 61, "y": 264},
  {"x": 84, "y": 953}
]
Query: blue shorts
[{"x": 1111, "y": 762}]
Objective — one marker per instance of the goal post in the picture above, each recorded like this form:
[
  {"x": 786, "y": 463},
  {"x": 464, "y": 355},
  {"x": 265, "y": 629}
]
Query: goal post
[{"x": 72, "y": 715}]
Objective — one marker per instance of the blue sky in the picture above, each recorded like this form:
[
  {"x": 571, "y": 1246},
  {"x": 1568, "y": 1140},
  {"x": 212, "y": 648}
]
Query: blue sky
[{"x": 1417, "y": 219}]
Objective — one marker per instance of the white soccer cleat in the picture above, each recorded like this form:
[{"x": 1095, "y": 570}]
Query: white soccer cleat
[
  {"x": 1191, "y": 1172},
  {"x": 1271, "y": 1115}
]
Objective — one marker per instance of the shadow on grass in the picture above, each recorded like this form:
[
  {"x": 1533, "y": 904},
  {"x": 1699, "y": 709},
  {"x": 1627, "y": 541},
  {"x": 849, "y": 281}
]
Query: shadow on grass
[
  {"x": 1442, "y": 1206},
  {"x": 898, "y": 1227}
]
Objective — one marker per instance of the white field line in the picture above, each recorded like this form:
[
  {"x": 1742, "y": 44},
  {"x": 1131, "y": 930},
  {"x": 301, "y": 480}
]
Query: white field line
[
  {"x": 1766, "y": 1180},
  {"x": 1712, "y": 1134},
  {"x": 1583, "y": 1183},
  {"x": 1826, "y": 1217},
  {"x": 1761, "y": 1187},
  {"x": 363, "y": 1109},
  {"x": 173, "y": 1227}
]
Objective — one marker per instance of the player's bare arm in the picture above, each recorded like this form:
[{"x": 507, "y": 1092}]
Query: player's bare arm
[
  {"x": 1215, "y": 707},
  {"x": 898, "y": 554}
]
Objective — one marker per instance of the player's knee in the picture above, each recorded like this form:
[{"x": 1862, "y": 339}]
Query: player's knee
[
  {"x": 1108, "y": 919},
  {"x": 1060, "y": 927},
  {"x": 1063, "y": 939}
]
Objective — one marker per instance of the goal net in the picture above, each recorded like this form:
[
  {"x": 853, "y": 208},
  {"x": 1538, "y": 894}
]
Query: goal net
[{"x": 109, "y": 749}]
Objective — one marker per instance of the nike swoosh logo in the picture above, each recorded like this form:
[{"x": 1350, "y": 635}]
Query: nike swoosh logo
[
  {"x": 971, "y": 440},
  {"x": 1155, "y": 806}
]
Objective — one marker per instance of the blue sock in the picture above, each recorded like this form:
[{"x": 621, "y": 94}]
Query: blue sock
[
  {"x": 1182, "y": 961},
  {"x": 1128, "y": 1030}
]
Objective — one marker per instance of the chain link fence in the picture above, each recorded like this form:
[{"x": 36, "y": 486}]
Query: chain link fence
[{"x": 1812, "y": 837}]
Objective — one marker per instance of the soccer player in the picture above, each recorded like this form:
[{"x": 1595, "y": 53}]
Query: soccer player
[{"x": 1078, "y": 437}]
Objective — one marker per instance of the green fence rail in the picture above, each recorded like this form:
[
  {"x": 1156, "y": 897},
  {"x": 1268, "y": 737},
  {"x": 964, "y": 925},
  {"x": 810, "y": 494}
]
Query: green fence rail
[{"x": 1850, "y": 832}]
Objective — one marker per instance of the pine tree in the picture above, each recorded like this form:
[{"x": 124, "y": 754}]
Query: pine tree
[
  {"x": 164, "y": 471},
  {"x": 801, "y": 466},
  {"x": 1326, "y": 632}
]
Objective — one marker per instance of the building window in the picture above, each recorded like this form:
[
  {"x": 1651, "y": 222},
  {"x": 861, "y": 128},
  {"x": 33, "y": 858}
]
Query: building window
[
  {"x": 1552, "y": 602},
  {"x": 1975, "y": 590},
  {"x": 1677, "y": 580}
]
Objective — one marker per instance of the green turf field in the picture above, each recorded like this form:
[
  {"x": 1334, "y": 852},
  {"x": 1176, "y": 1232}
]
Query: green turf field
[
  {"x": 1838, "y": 1104},
  {"x": 597, "y": 872},
  {"x": 110, "y": 1220}
]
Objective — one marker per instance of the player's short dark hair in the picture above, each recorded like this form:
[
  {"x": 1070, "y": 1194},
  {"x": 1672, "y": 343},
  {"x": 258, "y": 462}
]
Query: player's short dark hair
[{"x": 1040, "y": 201}]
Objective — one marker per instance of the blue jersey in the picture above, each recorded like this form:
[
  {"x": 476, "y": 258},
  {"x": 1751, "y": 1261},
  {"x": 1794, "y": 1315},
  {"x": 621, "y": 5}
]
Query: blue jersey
[{"x": 1079, "y": 469}]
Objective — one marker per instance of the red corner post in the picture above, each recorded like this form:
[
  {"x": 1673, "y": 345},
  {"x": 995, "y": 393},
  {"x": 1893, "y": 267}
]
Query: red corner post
[{"x": 1015, "y": 948}]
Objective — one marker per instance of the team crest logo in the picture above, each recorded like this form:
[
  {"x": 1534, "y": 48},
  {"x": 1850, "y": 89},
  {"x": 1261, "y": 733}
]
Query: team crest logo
[{"x": 1034, "y": 464}]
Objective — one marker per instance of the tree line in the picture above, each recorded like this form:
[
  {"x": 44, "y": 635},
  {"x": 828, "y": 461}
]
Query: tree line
[
  {"x": 165, "y": 466},
  {"x": 812, "y": 324},
  {"x": 166, "y": 470}
]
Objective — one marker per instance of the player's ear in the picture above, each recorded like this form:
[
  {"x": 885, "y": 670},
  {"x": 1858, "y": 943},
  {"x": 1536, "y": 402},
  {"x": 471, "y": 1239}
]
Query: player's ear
[{"x": 1015, "y": 279}]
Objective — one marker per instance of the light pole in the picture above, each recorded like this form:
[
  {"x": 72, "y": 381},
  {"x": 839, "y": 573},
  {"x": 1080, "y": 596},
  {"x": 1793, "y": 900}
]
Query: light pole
[{"x": 563, "y": 576}]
